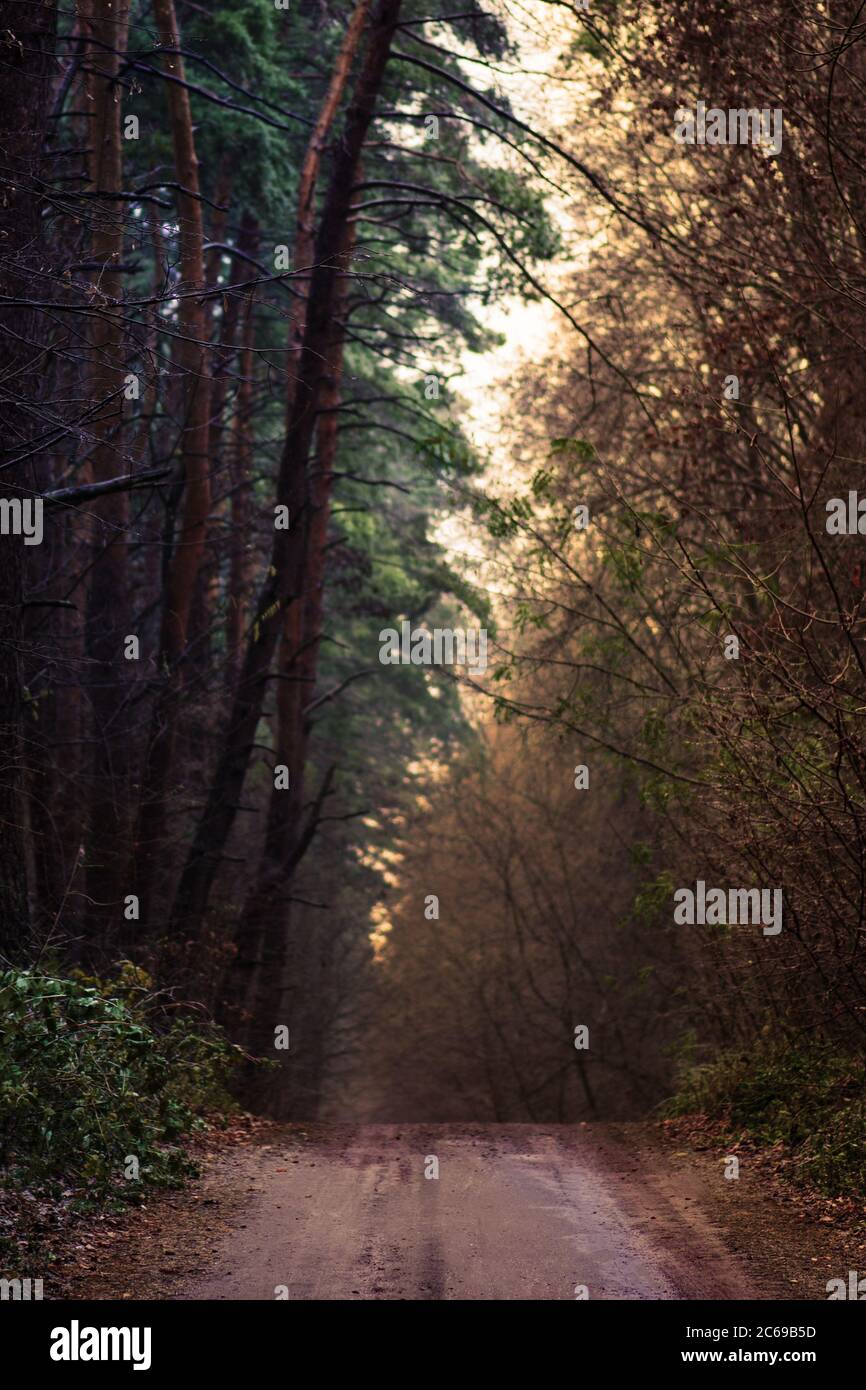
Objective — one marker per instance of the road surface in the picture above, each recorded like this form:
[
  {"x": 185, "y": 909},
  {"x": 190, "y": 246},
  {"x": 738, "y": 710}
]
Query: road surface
[{"x": 516, "y": 1212}]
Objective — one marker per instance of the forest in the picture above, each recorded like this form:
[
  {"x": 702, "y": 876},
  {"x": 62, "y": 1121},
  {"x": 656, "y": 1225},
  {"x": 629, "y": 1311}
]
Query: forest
[{"x": 432, "y": 592}]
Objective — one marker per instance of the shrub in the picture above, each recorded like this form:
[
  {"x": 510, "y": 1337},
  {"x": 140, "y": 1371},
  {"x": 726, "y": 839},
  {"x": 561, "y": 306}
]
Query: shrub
[
  {"x": 809, "y": 1098},
  {"x": 92, "y": 1073}
]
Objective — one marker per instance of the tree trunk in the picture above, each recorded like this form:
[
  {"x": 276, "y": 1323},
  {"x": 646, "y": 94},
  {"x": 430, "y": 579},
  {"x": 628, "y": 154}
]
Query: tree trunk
[
  {"x": 26, "y": 72},
  {"x": 264, "y": 904},
  {"x": 284, "y": 583},
  {"x": 241, "y": 486},
  {"x": 190, "y": 357},
  {"x": 103, "y": 26},
  {"x": 263, "y": 931}
]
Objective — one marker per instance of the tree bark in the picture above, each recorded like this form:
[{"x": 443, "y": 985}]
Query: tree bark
[
  {"x": 241, "y": 485},
  {"x": 103, "y": 26},
  {"x": 190, "y": 356},
  {"x": 253, "y": 987},
  {"x": 26, "y": 71},
  {"x": 296, "y": 676},
  {"x": 284, "y": 582}
]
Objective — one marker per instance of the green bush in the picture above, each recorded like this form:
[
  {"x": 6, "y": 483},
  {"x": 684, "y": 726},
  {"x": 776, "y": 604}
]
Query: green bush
[
  {"x": 92, "y": 1074},
  {"x": 808, "y": 1098}
]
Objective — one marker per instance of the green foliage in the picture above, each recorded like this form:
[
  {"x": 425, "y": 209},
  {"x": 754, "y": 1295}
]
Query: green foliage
[
  {"x": 808, "y": 1098},
  {"x": 652, "y": 898},
  {"x": 655, "y": 732},
  {"x": 577, "y": 451},
  {"x": 89, "y": 1075},
  {"x": 626, "y": 560}
]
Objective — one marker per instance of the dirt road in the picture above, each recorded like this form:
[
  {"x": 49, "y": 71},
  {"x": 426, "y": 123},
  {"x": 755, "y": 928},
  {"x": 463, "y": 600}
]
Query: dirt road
[{"x": 516, "y": 1212}]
